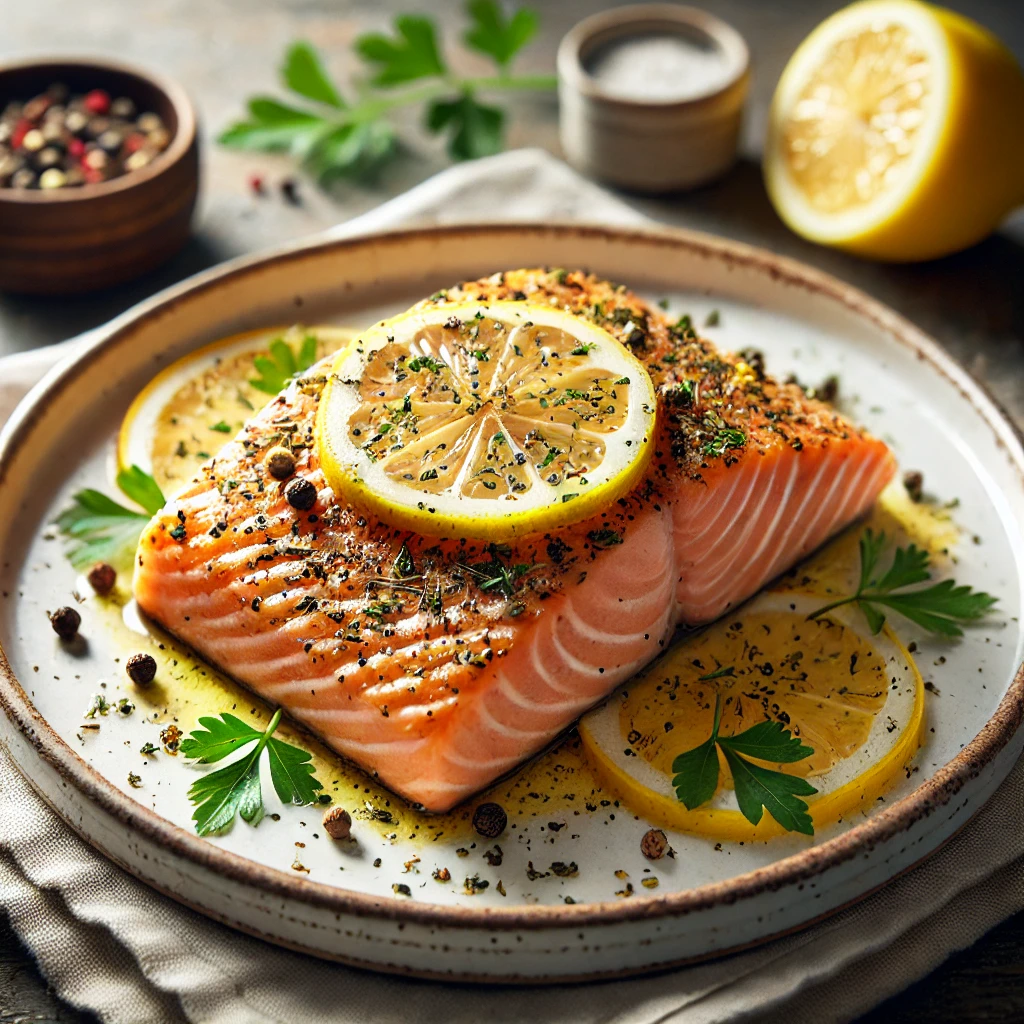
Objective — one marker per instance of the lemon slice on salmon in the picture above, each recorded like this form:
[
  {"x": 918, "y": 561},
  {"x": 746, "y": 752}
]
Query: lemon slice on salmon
[
  {"x": 856, "y": 699},
  {"x": 895, "y": 132},
  {"x": 187, "y": 411},
  {"x": 485, "y": 420}
]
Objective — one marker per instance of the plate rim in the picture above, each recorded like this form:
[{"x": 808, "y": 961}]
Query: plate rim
[{"x": 933, "y": 794}]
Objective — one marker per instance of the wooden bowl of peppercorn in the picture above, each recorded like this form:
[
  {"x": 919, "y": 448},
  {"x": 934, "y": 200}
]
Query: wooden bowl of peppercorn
[{"x": 108, "y": 208}]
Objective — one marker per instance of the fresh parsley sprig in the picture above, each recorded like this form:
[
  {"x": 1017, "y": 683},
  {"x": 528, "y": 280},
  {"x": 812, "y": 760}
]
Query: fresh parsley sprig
[
  {"x": 236, "y": 789},
  {"x": 101, "y": 530},
  {"x": 940, "y": 608},
  {"x": 337, "y": 136},
  {"x": 757, "y": 788}
]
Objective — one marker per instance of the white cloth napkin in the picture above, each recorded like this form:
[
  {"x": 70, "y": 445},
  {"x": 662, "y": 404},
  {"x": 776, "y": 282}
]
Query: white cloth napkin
[{"x": 108, "y": 943}]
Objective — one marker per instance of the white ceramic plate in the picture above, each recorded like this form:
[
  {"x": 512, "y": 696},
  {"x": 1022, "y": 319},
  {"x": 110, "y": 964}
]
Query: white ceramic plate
[{"x": 894, "y": 380}]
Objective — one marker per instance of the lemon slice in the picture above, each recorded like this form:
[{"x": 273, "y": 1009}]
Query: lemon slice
[
  {"x": 187, "y": 411},
  {"x": 895, "y": 132},
  {"x": 856, "y": 699},
  {"x": 488, "y": 421}
]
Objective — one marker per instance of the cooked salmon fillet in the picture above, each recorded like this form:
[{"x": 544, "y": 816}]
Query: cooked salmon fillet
[{"x": 438, "y": 666}]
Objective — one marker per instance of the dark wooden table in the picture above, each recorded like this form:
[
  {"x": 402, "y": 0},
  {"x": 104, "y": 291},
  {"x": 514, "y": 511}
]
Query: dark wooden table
[{"x": 973, "y": 302}]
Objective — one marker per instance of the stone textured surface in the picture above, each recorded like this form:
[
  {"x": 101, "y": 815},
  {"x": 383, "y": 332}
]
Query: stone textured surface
[{"x": 225, "y": 50}]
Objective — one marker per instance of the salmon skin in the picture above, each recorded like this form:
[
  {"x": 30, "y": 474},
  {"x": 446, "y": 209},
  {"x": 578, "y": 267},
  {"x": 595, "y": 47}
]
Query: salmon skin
[{"x": 438, "y": 666}]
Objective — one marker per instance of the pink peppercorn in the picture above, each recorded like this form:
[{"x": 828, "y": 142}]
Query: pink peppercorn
[{"x": 97, "y": 101}]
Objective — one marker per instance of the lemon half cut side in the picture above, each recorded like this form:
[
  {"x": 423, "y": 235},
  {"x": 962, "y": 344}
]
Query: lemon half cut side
[
  {"x": 488, "y": 421},
  {"x": 856, "y": 699},
  {"x": 894, "y": 132}
]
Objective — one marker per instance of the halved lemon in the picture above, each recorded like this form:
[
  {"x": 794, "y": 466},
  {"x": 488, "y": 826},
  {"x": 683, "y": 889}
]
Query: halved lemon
[
  {"x": 187, "y": 411},
  {"x": 856, "y": 699},
  {"x": 485, "y": 420},
  {"x": 895, "y": 132}
]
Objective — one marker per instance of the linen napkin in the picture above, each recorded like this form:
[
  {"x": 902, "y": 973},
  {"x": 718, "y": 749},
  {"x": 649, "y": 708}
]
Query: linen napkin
[{"x": 108, "y": 943}]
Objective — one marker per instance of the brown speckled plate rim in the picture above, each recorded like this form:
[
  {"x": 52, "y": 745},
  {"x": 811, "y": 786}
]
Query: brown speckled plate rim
[{"x": 932, "y": 795}]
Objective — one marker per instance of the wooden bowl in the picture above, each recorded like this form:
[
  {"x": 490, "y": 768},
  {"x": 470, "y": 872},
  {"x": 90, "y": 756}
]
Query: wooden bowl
[{"x": 79, "y": 239}]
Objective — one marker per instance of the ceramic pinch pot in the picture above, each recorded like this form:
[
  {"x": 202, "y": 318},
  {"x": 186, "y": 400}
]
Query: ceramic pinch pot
[
  {"x": 652, "y": 96},
  {"x": 77, "y": 239}
]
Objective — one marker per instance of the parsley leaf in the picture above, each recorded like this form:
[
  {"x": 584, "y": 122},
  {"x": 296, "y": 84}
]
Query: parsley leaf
[
  {"x": 474, "y": 130},
  {"x": 141, "y": 488},
  {"x": 281, "y": 364},
  {"x": 494, "y": 35},
  {"x": 292, "y": 774},
  {"x": 226, "y": 792},
  {"x": 408, "y": 55},
  {"x": 696, "y": 778},
  {"x": 304, "y": 73},
  {"x": 235, "y": 789},
  {"x": 756, "y": 788},
  {"x": 760, "y": 788},
  {"x": 275, "y": 127},
  {"x": 222, "y": 736},
  {"x": 101, "y": 530},
  {"x": 940, "y": 608}
]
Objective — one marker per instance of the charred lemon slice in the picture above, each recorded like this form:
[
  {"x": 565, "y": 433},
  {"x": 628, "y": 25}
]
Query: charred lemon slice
[
  {"x": 187, "y": 411},
  {"x": 487, "y": 421},
  {"x": 856, "y": 699}
]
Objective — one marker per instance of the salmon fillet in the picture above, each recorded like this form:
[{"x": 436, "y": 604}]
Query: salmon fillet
[{"x": 439, "y": 666}]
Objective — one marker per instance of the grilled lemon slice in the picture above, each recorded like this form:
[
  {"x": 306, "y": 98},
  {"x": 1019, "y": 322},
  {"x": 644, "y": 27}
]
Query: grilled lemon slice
[{"x": 485, "y": 420}]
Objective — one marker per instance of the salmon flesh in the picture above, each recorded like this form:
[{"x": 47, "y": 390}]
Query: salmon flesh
[{"x": 438, "y": 666}]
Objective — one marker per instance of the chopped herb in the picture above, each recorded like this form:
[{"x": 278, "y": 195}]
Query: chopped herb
[
  {"x": 725, "y": 439},
  {"x": 418, "y": 363},
  {"x": 940, "y": 608},
  {"x": 221, "y": 427},
  {"x": 604, "y": 538},
  {"x": 713, "y": 319},
  {"x": 757, "y": 789},
  {"x": 149, "y": 748},
  {"x": 583, "y": 348},
  {"x": 99, "y": 705},
  {"x": 719, "y": 673},
  {"x": 236, "y": 789},
  {"x": 404, "y": 565}
]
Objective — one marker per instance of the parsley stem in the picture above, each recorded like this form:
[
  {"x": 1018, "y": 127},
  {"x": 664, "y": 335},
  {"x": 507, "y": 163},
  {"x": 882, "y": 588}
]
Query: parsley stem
[
  {"x": 371, "y": 109},
  {"x": 267, "y": 733},
  {"x": 835, "y": 604}
]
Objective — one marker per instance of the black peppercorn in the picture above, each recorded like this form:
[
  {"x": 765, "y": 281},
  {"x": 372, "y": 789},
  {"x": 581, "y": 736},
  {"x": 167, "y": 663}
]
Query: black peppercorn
[
  {"x": 280, "y": 463},
  {"x": 141, "y": 669},
  {"x": 490, "y": 820},
  {"x": 300, "y": 494},
  {"x": 65, "y": 622},
  {"x": 102, "y": 578}
]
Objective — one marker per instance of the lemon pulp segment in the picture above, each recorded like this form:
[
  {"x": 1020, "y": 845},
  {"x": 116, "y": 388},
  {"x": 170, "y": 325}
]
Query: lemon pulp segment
[
  {"x": 856, "y": 700},
  {"x": 485, "y": 421},
  {"x": 855, "y": 123}
]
